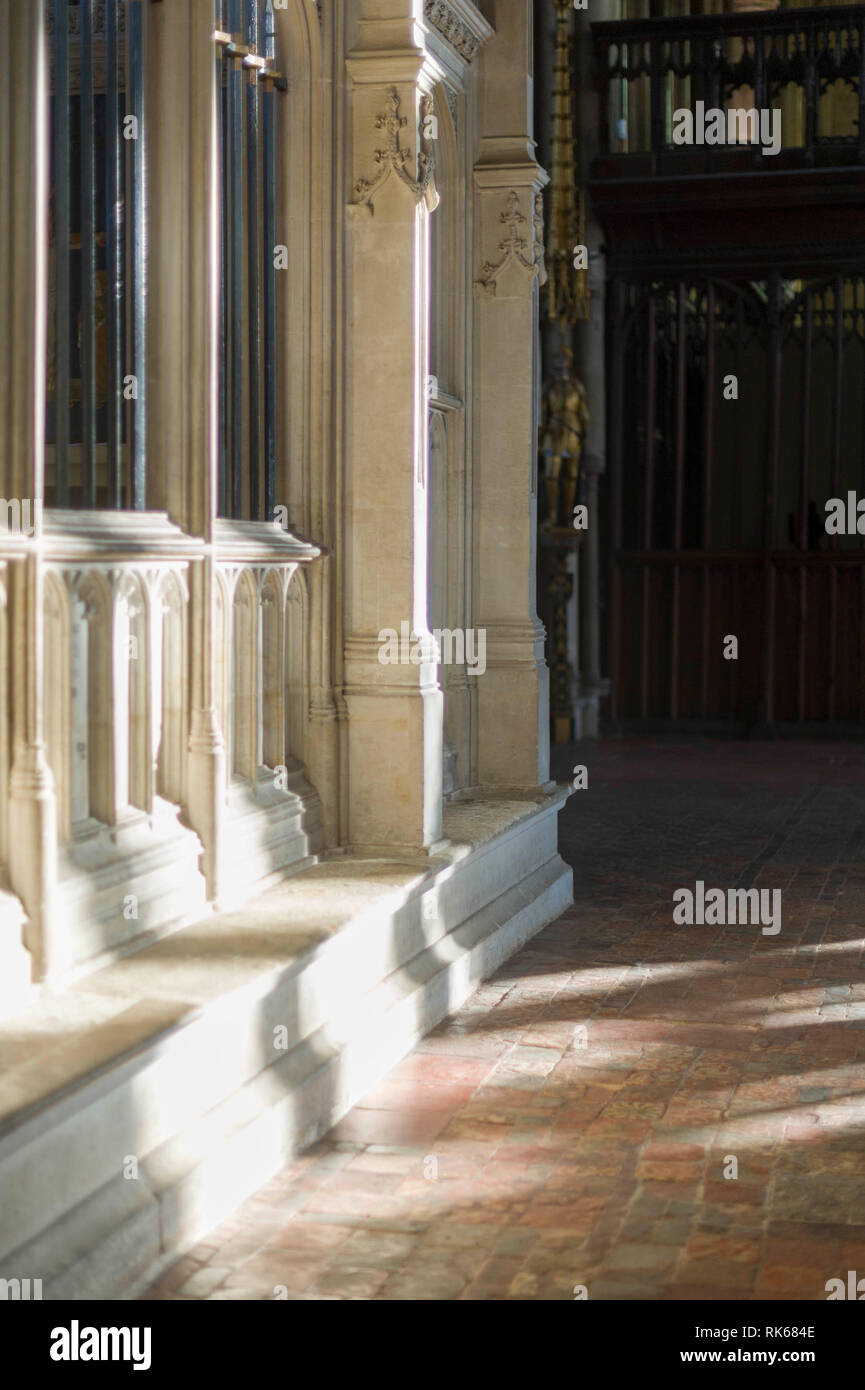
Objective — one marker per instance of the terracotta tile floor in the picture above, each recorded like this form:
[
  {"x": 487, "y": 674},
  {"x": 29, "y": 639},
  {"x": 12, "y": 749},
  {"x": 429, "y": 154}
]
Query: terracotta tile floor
[{"x": 580, "y": 1119}]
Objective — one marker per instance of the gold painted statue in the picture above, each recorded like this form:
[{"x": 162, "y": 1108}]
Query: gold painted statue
[{"x": 565, "y": 421}]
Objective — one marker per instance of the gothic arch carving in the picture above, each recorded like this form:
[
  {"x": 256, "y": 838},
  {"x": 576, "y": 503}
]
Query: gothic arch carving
[
  {"x": 173, "y": 685},
  {"x": 394, "y": 157},
  {"x": 521, "y": 245},
  {"x": 57, "y": 679},
  {"x": 272, "y": 669},
  {"x": 222, "y": 662},
  {"x": 245, "y": 646},
  {"x": 95, "y": 593},
  {"x": 297, "y": 666},
  {"x": 134, "y": 601}
]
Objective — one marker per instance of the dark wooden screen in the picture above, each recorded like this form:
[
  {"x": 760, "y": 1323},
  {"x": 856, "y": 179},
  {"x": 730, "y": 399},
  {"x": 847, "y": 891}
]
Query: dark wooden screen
[{"x": 719, "y": 505}]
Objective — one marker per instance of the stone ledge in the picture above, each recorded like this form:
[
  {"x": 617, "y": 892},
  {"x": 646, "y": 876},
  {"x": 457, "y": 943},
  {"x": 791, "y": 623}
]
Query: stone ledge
[{"x": 198, "y": 1094}]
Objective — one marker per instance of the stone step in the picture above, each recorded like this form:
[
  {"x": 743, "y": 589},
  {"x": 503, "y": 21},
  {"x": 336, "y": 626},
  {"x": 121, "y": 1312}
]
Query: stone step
[
  {"x": 113, "y": 895},
  {"x": 203, "y": 1062},
  {"x": 268, "y": 832}
]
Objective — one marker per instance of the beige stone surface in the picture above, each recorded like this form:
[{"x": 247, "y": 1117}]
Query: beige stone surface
[{"x": 220, "y": 814}]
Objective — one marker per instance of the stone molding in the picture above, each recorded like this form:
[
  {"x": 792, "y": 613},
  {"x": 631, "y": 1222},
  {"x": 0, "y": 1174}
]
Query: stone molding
[
  {"x": 515, "y": 247},
  {"x": 261, "y": 543},
  {"x": 393, "y": 159},
  {"x": 460, "y": 24},
  {"x": 126, "y": 536}
]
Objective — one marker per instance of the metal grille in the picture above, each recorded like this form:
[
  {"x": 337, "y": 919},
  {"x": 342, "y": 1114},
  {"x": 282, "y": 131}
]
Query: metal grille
[
  {"x": 248, "y": 82},
  {"x": 96, "y": 421}
]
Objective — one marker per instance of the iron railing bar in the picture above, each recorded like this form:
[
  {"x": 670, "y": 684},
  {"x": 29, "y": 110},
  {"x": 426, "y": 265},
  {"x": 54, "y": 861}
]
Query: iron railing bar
[
  {"x": 235, "y": 269},
  {"x": 253, "y": 269},
  {"x": 62, "y": 237},
  {"x": 88, "y": 260},
  {"x": 804, "y": 480},
  {"x": 804, "y": 487},
  {"x": 833, "y": 642},
  {"x": 268, "y": 139},
  {"x": 860, "y": 285},
  {"x": 113, "y": 254},
  {"x": 773, "y": 434},
  {"x": 681, "y": 329},
  {"x": 838, "y": 393},
  {"x": 136, "y": 69},
  {"x": 649, "y": 490},
  {"x": 739, "y": 447},
  {"x": 617, "y": 307},
  {"x": 706, "y": 528}
]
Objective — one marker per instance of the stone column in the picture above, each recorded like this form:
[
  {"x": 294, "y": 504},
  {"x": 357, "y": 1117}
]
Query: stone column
[
  {"x": 513, "y": 693},
  {"x": 23, "y": 326},
  {"x": 183, "y": 347},
  {"x": 394, "y": 710},
  {"x": 181, "y": 56}
]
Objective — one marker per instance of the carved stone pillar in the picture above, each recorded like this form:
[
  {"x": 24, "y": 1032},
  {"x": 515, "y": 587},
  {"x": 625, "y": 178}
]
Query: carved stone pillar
[
  {"x": 513, "y": 693},
  {"x": 206, "y": 786},
  {"x": 187, "y": 46},
  {"x": 394, "y": 710},
  {"x": 23, "y": 326}
]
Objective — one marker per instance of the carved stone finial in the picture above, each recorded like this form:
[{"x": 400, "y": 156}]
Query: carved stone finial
[
  {"x": 393, "y": 159},
  {"x": 514, "y": 246}
]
